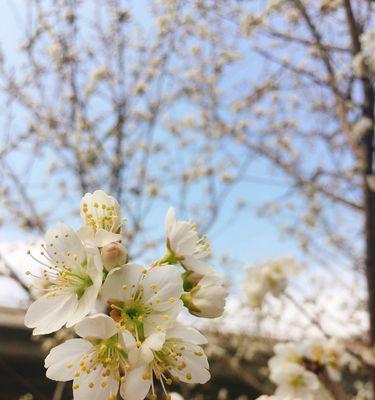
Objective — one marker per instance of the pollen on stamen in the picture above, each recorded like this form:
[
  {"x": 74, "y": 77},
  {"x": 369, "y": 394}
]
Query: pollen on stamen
[
  {"x": 91, "y": 385},
  {"x": 75, "y": 386}
]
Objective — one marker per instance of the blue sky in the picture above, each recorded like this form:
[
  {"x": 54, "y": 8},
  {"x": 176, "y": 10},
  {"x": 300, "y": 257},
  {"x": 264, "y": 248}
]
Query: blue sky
[{"x": 247, "y": 238}]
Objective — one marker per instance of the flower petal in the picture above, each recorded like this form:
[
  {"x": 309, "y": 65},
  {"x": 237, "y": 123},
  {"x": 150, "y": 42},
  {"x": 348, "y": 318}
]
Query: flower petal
[
  {"x": 103, "y": 237},
  {"x": 135, "y": 386},
  {"x": 99, "y": 326},
  {"x": 63, "y": 360},
  {"x": 187, "y": 334},
  {"x": 193, "y": 263},
  {"x": 94, "y": 386},
  {"x": 49, "y": 314},
  {"x": 85, "y": 304},
  {"x": 114, "y": 289},
  {"x": 153, "y": 322},
  {"x": 63, "y": 243},
  {"x": 161, "y": 284}
]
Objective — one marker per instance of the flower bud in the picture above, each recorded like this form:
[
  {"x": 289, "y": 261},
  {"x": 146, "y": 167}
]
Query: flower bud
[
  {"x": 207, "y": 298},
  {"x": 113, "y": 255}
]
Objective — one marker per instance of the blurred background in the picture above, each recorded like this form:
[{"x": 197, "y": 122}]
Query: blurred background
[{"x": 253, "y": 118}]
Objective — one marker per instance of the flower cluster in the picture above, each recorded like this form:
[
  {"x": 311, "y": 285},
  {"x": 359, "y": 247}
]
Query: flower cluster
[
  {"x": 139, "y": 341},
  {"x": 296, "y": 367},
  {"x": 267, "y": 277}
]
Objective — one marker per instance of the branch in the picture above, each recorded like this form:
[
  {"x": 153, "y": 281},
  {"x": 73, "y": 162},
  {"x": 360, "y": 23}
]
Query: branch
[{"x": 333, "y": 387}]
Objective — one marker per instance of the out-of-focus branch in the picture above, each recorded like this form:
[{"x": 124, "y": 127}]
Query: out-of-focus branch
[
  {"x": 59, "y": 391},
  {"x": 334, "y": 388}
]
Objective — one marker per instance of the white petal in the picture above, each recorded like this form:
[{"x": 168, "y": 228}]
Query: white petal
[
  {"x": 97, "y": 326},
  {"x": 135, "y": 387},
  {"x": 187, "y": 334},
  {"x": 63, "y": 240},
  {"x": 114, "y": 289},
  {"x": 170, "y": 219},
  {"x": 155, "y": 341},
  {"x": 49, "y": 314},
  {"x": 86, "y": 234},
  {"x": 63, "y": 360},
  {"x": 85, "y": 304},
  {"x": 99, "y": 391},
  {"x": 131, "y": 346},
  {"x": 195, "y": 264},
  {"x": 152, "y": 322},
  {"x": 146, "y": 354},
  {"x": 168, "y": 282},
  {"x": 103, "y": 237},
  {"x": 183, "y": 239},
  {"x": 196, "y": 366}
]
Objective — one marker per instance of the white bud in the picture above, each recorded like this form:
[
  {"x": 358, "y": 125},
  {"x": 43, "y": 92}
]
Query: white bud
[
  {"x": 207, "y": 299},
  {"x": 113, "y": 255}
]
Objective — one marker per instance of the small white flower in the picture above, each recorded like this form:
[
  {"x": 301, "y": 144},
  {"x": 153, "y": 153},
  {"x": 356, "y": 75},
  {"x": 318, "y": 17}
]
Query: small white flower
[
  {"x": 100, "y": 215},
  {"x": 175, "y": 354},
  {"x": 294, "y": 382},
  {"x": 72, "y": 277},
  {"x": 144, "y": 301},
  {"x": 329, "y": 354},
  {"x": 185, "y": 246},
  {"x": 97, "y": 364},
  {"x": 268, "y": 277},
  {"x": 207, "y": 298}
]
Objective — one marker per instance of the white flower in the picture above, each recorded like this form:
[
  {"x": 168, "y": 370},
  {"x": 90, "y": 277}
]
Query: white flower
[
  {"x": 74, "y": 276},
  {"x": 185, "y": 246},
  {"x": 97, "y": 363},
  {"x": 329, "y": 354},
  {"x": 100, "y": 215},
  {"x": 268, "y": 277},
  {"x": 144, "y": 301},
  {"x": 207, "y": 298},
  {"x": 175, "y": 354},
  {"x": 286, "y": 353},
  {"x": 294, "y": 382}
]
